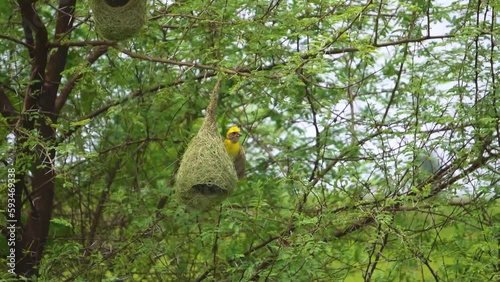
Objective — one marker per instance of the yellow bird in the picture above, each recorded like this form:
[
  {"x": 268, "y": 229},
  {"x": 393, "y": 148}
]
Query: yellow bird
[{"x": 235, "y": 150}]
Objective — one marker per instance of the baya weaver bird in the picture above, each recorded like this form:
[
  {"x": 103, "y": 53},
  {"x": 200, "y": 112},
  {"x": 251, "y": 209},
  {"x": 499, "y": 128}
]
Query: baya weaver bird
[{"x": 235, "y": 150}]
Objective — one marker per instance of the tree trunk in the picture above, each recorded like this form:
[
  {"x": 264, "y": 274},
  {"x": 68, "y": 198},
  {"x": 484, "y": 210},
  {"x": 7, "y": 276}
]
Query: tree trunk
[{"x": 37, "y": 155}]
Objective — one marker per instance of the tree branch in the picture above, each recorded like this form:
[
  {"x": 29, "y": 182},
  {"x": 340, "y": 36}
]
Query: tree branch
[
  {"x": 127, "y": 98},
  {"x": 57, "y": 61},
  {"x": 6, "y": 109},
  {"x": 131, "y": 54},
  {"x": 33, "y": 23},
  {"x": 57, "y": 44},
  {"x": 342, "y": 155},
  {"x": 391, "y": 43},
  {"x": 100, "y": 205},
  {"x": 66, "y": 90},
  {"x": 243, "y": 71},
  {"x": 17, "y": 41}
]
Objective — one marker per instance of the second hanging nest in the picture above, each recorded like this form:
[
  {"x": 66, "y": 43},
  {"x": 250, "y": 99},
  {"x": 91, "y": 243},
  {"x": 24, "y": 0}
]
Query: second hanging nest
[
  {"x": 119, "y": 19},
  {"x": 206, "y": 174}
]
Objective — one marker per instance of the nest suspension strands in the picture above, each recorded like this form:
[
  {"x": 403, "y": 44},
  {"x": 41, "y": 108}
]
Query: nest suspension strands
[
  {"x": 206, "y": 174},
  {"x": 119, "y": 19}
]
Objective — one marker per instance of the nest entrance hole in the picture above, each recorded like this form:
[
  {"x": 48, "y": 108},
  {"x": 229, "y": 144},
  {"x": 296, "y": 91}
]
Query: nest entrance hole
[
  {"x": 117, "y": 3},
  {"x": 209, "y": 189}
]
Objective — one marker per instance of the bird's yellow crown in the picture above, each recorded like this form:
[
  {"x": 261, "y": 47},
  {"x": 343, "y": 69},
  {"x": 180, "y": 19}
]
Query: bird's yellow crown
[{"x": 233, "y": 129}]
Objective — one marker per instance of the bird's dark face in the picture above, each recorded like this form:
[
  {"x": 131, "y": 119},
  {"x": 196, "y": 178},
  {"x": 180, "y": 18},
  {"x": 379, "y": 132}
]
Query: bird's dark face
[{"x": 234, "y": 137}]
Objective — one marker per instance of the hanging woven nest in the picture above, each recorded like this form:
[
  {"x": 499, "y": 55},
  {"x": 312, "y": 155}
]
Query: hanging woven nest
[
  {"x": 206, "y": 174},
  {"x": 119, "y": 19}
]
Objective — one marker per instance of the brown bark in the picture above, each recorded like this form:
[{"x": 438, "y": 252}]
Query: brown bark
[
  {"x": 6, "y": 108},
  {"x": 37, "y": 115}
]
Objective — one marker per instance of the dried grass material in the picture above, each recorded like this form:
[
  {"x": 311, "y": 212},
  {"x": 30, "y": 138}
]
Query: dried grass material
[
  {"x": 119, "y": 21},
  {"x": 206, "y": 174}
]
